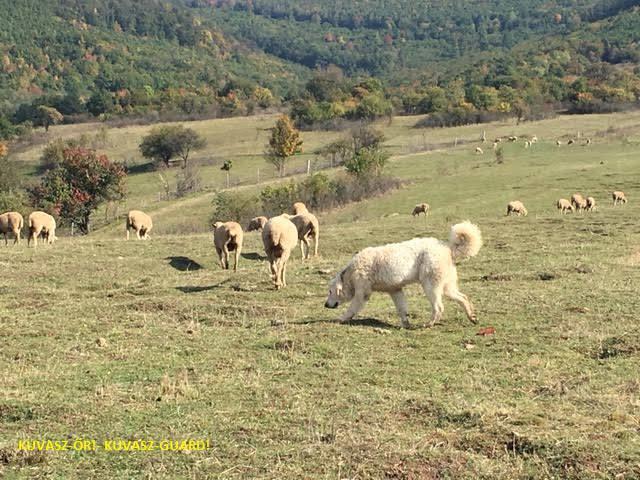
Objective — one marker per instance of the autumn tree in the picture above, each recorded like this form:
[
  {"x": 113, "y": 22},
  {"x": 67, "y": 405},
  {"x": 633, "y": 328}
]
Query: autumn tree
[
  {"x": 76, "y": 186},
  {"x": 285, "y": 142},
  {"x": 47, "y": 116}
]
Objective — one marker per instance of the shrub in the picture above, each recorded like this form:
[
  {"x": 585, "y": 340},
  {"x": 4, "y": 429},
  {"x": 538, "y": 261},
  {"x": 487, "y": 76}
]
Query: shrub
[
  {"x": 237, "y": 207},
  {"x": 188, "y": 180}
]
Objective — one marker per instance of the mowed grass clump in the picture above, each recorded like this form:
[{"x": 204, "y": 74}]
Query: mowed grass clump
[{"x": 107, "y": 339}]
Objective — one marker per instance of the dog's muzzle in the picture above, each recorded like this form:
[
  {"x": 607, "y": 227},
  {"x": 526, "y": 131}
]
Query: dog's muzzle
[{"x": 328, "y": 305}]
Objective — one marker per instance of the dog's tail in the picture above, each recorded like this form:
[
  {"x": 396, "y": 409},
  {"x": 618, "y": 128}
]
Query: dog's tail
[{"x": 465, "y": 240}]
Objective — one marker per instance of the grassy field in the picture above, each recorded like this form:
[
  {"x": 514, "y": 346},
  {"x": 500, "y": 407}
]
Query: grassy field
[{"x": 104, "y": 339}]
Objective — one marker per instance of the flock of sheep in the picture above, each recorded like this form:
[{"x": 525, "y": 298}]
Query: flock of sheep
[
  {"x": 578, "y": 203},
  {"x": 527, "y": 143},
  {"x": 41, "y": 225}
]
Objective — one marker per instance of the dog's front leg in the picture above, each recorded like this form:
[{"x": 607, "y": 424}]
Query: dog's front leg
[
  {"x": 401, "y": 307},
  {"x": 359, "y": 299}
]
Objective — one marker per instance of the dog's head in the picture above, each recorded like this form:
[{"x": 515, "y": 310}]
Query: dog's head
[{"x": 339, "y": 291}]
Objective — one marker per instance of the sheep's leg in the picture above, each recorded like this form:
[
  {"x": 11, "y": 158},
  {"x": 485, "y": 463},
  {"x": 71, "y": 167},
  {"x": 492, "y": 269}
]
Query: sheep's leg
[
  {"x": 316, "y": 237},
  {"x": 283, "y": 272},
  {"x": 456, "y": 295},
  {"x": 6, "y": 242},
  {"x": 400, "y": 302},
  {"x": 138, "y": 233},
  {"x": 434, "y": 294},
  {"x": 358, "y": 302},
  {"x": 302, "y": 248},
  {"x": 127, "y": 232},
  {"x": 219, "y": 252},
  {"x": 306, "y": 253},
  {"x": 237, "y": 258},
  {"x": 16, "y": 241},
  {"x": 225, "y": 252}
]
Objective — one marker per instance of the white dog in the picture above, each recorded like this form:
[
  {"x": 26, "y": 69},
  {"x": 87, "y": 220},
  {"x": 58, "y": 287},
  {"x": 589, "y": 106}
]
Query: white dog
[{"x": 389, "y": 268}]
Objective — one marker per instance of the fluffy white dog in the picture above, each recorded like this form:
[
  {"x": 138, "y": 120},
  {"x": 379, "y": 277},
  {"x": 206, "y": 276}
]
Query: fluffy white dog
[{"x": 427, "y": 261}]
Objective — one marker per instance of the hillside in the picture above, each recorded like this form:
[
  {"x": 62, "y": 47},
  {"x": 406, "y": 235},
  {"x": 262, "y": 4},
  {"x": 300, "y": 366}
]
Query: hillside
[
  {"x": 222, "y": 58},
  {"x": 104, "y": 339}
]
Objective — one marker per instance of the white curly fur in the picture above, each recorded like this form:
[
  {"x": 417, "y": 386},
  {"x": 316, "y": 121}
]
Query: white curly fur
[{"x": 389, "y": 268}]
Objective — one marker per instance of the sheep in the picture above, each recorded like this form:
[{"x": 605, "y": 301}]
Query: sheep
[
  {"x": 479, "y": 151},
  {"x": 534, "y": 139},
  {"x": 257, "y": 223},
  {"x": 11, "y": 222},
  {"x": 513, "y": 138},
  {"x": 527, "y": 144},
  {"x": 578, "y": 202},
  {"x": 279, "y": 237},
  {"x": 571, "y": 141},
  {"x": 558, "y": 142},
  {"x": 421, "y": 208},
  {"x": 299, "y": 208},
  {"x": 564, "y": 206},
  {"x": 591, "y": 204},
  {"x": 140, "y": 222},
  {"x": 516, "y": 208},
  {"x": 588, "y": 142},
  {"x": 495, "y": 145},
  {"x": 618, "y": 197},
  {"x": 227, "y": 237},
  {"x": 41, "y": 224},
  {"x": 307, "y": 226}
]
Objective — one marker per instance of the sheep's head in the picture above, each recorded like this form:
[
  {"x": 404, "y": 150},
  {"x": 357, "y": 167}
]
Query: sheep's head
[
  {"x": 216, "y": 225},
  {"x": 337, "y": 291}
]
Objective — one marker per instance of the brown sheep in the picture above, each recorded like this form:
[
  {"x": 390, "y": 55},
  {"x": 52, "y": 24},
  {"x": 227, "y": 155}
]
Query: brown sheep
[
  {"x": 227, "y": 237},
  {"x": 591, "y": 204},
  {"x": 578, "y": 202},
  {"x": 421, "y": 208},
  {"x": 279, "y": 237},
  {"x": 308, "y": 227},
  {"x": 41, "y": 224},
  {"x": 257, "y": 223},
  {"x": 564, "y": 205},
  {"x": 11, "y": 222},
  {"x": 618, "y": 197},
  {"x": 299, "y": 207},
  {"x": 140, "y": 222},
  {"x": 516, "y": 208}
]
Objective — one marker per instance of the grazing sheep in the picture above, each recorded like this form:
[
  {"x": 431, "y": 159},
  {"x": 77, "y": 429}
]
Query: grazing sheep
[
  {"x": 11, "y": 222},
  {"x": 527, "y": 144},
  {"x": 299, "y": 208},
  {"x": 591, "y": 204},
  {"x": 534, "y": 139},
  {"x": 516, "y": 208},
  {"x": 308, "y": 227},
  {"x": 618, "y": 197},
  {"x": 564, "y": 205},
  {"x": 279, "y": 237},
  {"x": 227, "y": 237},
  {"x": 558, "y": 142},
  {"x": 389, "y": 268},
  {"x": 588, "y": 142},
  {"x": 479, "y": 151},
  {"x": 257, "y": 223},
  {"x": 495, "y": 145},
  {"x": 571, "y": 141},
  {"x": 41, "y": 224},
  {"x": 497, "y": 140},
  {"x": 513, "y": 138},
  {"x": 421, "y": 208},
  {"x": 140, "y": 222},
  {"x": 578, "y": 202}
]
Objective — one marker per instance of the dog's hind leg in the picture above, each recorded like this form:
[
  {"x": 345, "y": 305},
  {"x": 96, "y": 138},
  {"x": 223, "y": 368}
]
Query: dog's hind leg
[
  {"x": 434, "y": 294},
  {"x": 401, "y": 307},
  {"x": 454, "y": 294}
]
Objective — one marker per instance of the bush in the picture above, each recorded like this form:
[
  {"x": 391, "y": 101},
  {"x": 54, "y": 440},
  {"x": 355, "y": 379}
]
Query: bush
[
  {"x": 237, "y": 207},
  {"x": 188, "y": 180},
  {"x": 458, "y": 117}
]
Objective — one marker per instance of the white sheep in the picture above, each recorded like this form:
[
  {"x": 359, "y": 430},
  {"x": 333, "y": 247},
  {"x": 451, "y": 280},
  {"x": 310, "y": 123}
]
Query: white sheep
[
  {"x": 513, "y": 138},
  {"x": 578, "y": 202},
  {"x": 591, "y": 204},
  {"x": 308, "y": 227},
  {"x": 279, "y": 237},
  {"x": 227, "y": 237},
  {"x": 299, "y": 207},
  {"x": 421, "y": 208},
  {"x": 564, "y": 206},
  {"x": 527, "y": 144},
  {"x": 479, "y": 151},
  {"x": 495, "y": 145},
  {"x": 140, "y": 222},
  {"x": 11, "y": 222},
  {"x": 558, "y": 142},
  {"x": 516, "y": 208},
  {"x": 571, "y": 141},
  {"x": 41, "y": 224},
  {"x": 534, "y": 139},
  {"x": 618, "y": 197},
  {"x": 257, "y": 223}
]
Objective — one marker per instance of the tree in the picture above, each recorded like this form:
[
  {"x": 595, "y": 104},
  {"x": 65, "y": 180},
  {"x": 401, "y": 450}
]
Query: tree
[
  {"x": 226, "y": 167},
  {"x": 163, "y": 144},
  {"x": 78, "y": 185},
  {"x": 285, "y": 142},
  {"x": 47, "y": 116},
  {"x": 100, "y": 102}
]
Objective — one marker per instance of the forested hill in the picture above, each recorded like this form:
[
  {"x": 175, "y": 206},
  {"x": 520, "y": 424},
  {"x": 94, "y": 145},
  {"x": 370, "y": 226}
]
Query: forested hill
[{"x": 230, "y": 57}]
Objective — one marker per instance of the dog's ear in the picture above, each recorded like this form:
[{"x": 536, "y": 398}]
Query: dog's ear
[{"x": 340, "y": 282}]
